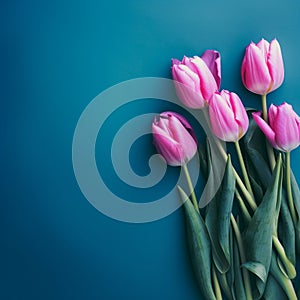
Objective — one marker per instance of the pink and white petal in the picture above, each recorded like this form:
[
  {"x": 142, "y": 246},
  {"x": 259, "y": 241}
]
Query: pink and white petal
[
  {"x": 208, "y": 84},
  {"x": 255, "y": 74},
  {"x": 265, "y": 128},
  {"x": 240, "y": 113},
  {"x": 264, "y": 47},
  {"x": 160, "y": 128},
  {"x": 171, "y": 151},
  {"x": 286, "y": 128},
  {"x": 272, "y": 113},
  {"x": 175, "y": 61},
  {"x": 183, "y": 121},
  {"x": 222, "y": 119},
  {"x": 182, "y": 136},
  {"x": 212, "y": 59},
  {"x": 275, "y": 65}
]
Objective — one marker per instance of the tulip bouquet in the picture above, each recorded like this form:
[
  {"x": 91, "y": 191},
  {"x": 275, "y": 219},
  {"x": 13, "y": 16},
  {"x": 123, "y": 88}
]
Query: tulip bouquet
[{"x": 244, "y": 242}]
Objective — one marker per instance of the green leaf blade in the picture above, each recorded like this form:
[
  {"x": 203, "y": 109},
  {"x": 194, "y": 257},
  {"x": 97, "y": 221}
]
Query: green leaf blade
[
  {"x": 199, "y": 247},
  {"x": 217, "y": 220},
  {"x": 258, "y": 235}
]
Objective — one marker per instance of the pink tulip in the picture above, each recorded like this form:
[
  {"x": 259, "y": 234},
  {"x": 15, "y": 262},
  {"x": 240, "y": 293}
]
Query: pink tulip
[
  {"x": 262, "y": 67},
  {"x": 228, "y": 117},
  {"x": 284, "y": 129},
  {"x": 174, "y": 138},
  {"x": 197, "y": 78}
]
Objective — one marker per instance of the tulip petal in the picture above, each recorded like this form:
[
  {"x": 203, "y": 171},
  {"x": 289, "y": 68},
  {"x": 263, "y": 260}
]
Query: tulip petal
[
  {"x": 272, "y": 113},
  {"x": 182, "y": 136},
  {"x": 265, "y": 128},
  {"x": 208, "y": 84},
  {"x": 264, "y": 47},
  {"x": 222, "y": 119},
  {"x": 163, "y": 127},
  {"x": 255, "y": 73},
  {"x": 187, "y": 84},
  {"x": 286, "y": 127},
  {"x": 159, "y": 128},
  {"x": 175, "y": 61},
  {"x": 183, "y": 121},
  {"x": 240, "y": 113},
  {"x": 275, "y": 65},
  {"x": 212, "y": 59},
  {"x": 171, "y": 151}
]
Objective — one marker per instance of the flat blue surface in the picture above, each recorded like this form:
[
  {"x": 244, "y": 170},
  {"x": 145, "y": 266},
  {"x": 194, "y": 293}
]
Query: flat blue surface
[{"x": 56, "y": 56}]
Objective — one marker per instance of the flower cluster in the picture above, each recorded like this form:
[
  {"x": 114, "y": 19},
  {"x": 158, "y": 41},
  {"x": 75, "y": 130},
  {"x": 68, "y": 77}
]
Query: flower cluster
[{"x": 244, "y": 243}]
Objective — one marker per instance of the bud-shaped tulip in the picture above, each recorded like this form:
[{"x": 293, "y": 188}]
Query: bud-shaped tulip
[
  {"x": 174, "y": 138},
  {"x": 228, "y": 117},
  {"x": 262, "y": 67},
  {"x": 197, "y": 78},
  {"x": 284, "y": 130}
]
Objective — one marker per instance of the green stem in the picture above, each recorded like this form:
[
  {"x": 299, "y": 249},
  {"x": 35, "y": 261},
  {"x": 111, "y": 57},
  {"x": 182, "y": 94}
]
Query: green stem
[
  {"x": 289, "y": 267},
  {"x": 243, "y": 168},
  {"x": 264, "y": 107},
  {"x": 243, "y": 257},
  {"x": 243, "y": 206},
  {"x": 239, "y": 181},
  {"x": 289, "y": 289},
  {"x": 270, "y": 150},
  {"x": 289, "y": 188},
  {"x": 218, "y": 293},
  {"x": 191, "y": 188},
  {"x": 284, "y": 282}
]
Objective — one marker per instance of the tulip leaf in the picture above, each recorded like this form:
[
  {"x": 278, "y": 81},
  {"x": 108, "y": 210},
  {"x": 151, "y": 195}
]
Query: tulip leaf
[
  {"x": 203, "y": 158},
  {"x": 253, "y": 144},
  {"x": 286, "y": 231},
  {"x": 273, "y": 290},
  {"x": 217, "y": 219},
  {"x": 296, "y": 198},
  {"x": 224, "y": 285},
  {"x": 230, "y": 273},
  {"x": 282, "y": 280},
  {"x": 256, "y": 187},
  {"x": 199, "y": 246},
  {"x": 258, "y": 269},
  {"x": 258, "y": 235},
  {"x": 238, "y": 279}
]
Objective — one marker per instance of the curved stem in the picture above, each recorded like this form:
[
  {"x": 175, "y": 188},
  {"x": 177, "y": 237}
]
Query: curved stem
[
  {"x": 289, "y": 267},
  {"x": 283, "y": 280},
  {"x": 239, "y": 181},
  {"x": 243, "y": 206},
  {"x": 243, "y": 168},
  {"x": 289, "y": 188},
  {"x": 218, "y": 293},
  {"x": 270, "y": 150},
  {"x": 243, "y": 257},
  {"x": 191, "y": 188}
]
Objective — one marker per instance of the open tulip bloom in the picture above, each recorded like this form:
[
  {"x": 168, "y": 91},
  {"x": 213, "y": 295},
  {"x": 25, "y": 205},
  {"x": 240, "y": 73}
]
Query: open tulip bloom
[
  {"x": 256, "y": 257},
  {"x": 262, "y": 67},
  {"x": 229, "y": 120},
  {"x": 283, "y": 132},
  {"x": 197, "y": 78},
  {"x": 174, "y": 138}
]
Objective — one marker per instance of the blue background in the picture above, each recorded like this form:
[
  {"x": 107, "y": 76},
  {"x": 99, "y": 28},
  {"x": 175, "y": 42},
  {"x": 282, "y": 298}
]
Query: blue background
[{"x": 56, "y": 56}]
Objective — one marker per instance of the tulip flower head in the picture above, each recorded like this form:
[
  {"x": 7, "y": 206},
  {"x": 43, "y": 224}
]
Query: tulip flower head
[
  {"x": 262, "y": 67},
  {"x": 197, "y": 78},
  {"x": 174, "y": 138},
  {"x": 284, "y": 130},
  {"x": 228, "y": 117}
]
